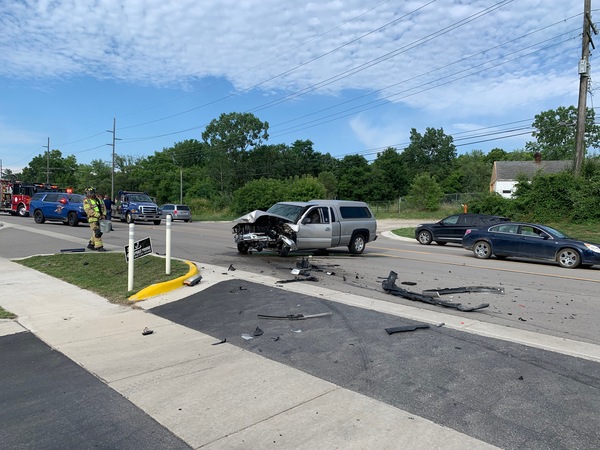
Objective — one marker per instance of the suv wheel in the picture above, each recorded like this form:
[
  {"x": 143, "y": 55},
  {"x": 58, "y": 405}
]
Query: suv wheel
[
  {"x": 424, "y": 237},
  {"x": 38, "y": 216},
  {"x": 72, "y": 219},
  {"x": 357, "y": 245}
]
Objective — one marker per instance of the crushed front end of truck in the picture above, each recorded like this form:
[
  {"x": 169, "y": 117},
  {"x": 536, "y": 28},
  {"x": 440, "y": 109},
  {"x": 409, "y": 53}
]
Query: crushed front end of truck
[{"x": 259, "y": 230}]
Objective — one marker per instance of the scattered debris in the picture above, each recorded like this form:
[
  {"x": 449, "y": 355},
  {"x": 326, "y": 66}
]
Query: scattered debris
[
  {"x": 276, "y": 338},
  {"x": 311, "y": 278},
  {"x": 441, "y": 324},
  {"x": 461, "y": 290},
  {"x": 222, "y": 341},
  {"x": 295, "y": 316},
  {"x": 389, "y": 285},
  {"x": 296, "y": 331},
  {"x": 147, "y": 331},
  {"x": 72, "y": 250},
  {"x": 239, "y": 288},
  {"x": 330, "y": 273},
  {"x": 247, "y": 337},
  {"x": 231, "y": 268},
  {"x": 409, "y": 283},
  {"x": 193, "y": 280},
  {"x": 258, "y": 332},
  {"x": 522, "y": 320},
  {"x": 401, "y": 329}
]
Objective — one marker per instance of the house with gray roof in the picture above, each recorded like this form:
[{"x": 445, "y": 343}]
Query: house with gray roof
[{"x": 505, "y": 173}]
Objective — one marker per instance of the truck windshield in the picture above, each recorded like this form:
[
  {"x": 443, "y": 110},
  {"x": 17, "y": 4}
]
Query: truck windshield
[
  {"x": 140, "y": 198},
  {"x": 292, "y": 212}
]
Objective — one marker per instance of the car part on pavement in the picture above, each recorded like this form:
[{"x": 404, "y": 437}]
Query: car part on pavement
[
  {"x": 295, "y": 316},
  {"x": 147, "y": 331},
  {"x": 311, "y": 278},
  {"x": 401, "y": 329},
  {"x": 72, "y": 250},
  {"x": 193, "y": 280},
  {"x": 258, "y": 332},
  {"x": 222, "y": 341},
  {"x": 462, "y": 290},
  {"x": 389, "y": 285}
]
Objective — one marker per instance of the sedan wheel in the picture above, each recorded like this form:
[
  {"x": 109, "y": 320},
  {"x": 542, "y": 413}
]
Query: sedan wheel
[
  {"x": 568, "y": 258},
  {"x": 424, "y": 237},
  {"x": 482, "y": 250}
]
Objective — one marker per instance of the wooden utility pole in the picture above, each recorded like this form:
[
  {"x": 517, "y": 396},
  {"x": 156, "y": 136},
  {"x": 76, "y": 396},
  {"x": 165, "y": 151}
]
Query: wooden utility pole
[
  {"x": 48, "y": 162},
  {"x": 584, "y": 76}
]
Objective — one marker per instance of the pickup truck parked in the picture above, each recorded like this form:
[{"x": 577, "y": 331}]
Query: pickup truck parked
[
  {"x": 318, "y": 224},
  {"x": 136, "y": 206}
]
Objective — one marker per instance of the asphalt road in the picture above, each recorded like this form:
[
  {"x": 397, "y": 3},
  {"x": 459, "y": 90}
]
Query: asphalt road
[{"x": 539, "y": 297}]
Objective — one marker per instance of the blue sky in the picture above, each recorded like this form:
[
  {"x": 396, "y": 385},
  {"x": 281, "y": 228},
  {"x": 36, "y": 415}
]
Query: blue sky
[{"x": 353, "y": 76}]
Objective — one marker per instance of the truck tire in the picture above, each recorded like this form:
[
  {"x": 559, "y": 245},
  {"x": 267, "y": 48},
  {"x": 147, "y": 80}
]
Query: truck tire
[
  {"x": 243, "y": 248},
  {"x": 22, "y": 210},
  {"x": 128, "y": 217},
  {"x": 157, "y": 222},
  {"x": 357, "y": 244}
]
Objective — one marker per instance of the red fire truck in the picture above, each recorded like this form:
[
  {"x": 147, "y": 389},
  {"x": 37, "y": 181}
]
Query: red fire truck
[{"x": 15, "y": 195}]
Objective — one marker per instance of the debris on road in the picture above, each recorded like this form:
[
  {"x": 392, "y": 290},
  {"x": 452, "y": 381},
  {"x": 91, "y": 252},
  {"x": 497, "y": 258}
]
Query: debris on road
[
  {"x": 404, "y": 328},
  {"x": 222, "y": 341},
  {"x": 295, "y": 316},
  {"x": 462, "y": 290},
  {"x": 389, "y": 285},
  {"x": 72, "y": 250},
  {"x": 258, "y": 332},
  {"x": 293, "y": 280},
  {"x": 147, "y": 331}
]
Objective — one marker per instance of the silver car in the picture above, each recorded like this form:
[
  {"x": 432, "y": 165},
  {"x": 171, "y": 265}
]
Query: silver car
[{"x": 177, "y": 212}]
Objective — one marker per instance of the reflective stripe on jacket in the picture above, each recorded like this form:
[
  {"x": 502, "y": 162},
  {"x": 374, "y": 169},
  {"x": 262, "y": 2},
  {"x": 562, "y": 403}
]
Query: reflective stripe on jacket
[{"x": 94, "y": 208}]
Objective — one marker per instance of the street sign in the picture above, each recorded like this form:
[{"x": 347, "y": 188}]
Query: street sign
[{"x": 141, "y": 248}]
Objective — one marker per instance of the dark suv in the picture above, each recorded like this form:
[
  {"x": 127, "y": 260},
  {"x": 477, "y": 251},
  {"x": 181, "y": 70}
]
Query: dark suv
[
  {"x": 66, "y": 208},
  {"x": 452, "y": 228}
]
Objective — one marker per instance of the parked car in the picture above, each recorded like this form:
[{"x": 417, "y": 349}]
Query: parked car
[
  {"x": 177, "y": 212},
  {"x": 452, "y": 228},
  {"x": 532, "y": 241},
  {"x": 58, "y": 206},
  {"x": 318, "y": 224}
]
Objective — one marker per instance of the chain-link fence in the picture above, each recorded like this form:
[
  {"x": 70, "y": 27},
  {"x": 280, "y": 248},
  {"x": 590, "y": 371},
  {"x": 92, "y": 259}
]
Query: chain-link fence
[{"x": 401, "y": 204}]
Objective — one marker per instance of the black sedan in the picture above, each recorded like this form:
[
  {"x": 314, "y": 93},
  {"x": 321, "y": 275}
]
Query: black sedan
[{"x": 532, "y": 241}]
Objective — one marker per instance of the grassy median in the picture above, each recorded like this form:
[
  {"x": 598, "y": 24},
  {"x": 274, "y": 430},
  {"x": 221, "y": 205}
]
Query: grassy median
[{"x": 106, "y": 273}]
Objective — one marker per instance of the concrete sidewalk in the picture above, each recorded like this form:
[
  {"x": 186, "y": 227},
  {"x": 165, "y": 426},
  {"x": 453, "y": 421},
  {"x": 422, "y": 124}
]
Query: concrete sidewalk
[{"x": 211, "y": 396}]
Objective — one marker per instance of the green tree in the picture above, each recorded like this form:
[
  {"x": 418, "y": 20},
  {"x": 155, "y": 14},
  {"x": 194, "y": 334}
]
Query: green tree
[
  {"x": 425, "y": 193},
  {"x": 390, "y": 165},
  {"x": 432, "y": 153},
  {"x": 555, "y": 132},
  {"x": 51, "y": 167},
  {"x": 303, "y": 189},
  {"x": 329, "y": 181},
  {"x": 228, "y": 139},
  {"x": 354, "y": 176},
  {"x": 258, "y": 194}
]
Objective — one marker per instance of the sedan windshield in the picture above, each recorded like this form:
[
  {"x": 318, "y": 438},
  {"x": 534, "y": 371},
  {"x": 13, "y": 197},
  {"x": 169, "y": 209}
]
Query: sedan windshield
[
  {"x": 556, "y": 233},
  {"x": 292, "y": 212}
]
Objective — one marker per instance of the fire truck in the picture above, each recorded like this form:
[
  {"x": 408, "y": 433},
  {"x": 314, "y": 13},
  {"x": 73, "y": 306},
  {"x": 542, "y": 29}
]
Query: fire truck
[{"x": 16, "y": 195}]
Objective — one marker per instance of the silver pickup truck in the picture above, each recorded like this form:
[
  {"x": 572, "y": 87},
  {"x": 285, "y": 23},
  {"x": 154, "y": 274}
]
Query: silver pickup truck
[{"x": 318, "y": 224}]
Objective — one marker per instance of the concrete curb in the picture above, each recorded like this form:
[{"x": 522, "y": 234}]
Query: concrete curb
[{"x": 164, "y": 287}]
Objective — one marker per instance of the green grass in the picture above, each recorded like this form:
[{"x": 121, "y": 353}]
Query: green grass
[
  {"x": 4, "y": 314},
  {"x": 105, "y": 273}
]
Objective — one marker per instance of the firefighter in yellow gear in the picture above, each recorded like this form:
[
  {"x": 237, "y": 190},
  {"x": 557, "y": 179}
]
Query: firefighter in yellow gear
[{"x": 96, "y": 211}]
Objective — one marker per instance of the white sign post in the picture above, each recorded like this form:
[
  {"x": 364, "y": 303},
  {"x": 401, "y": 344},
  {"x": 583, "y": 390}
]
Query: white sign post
[
  {"x": 130, "y": 257},
  {"x": 168, "y": 240}
]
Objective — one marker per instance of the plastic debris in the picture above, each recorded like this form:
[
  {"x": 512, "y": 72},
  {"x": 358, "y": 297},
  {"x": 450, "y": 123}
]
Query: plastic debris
[{"x": 147, "y": 331}]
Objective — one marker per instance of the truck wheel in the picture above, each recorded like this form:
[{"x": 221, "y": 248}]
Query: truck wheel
[
  {"x": 243, "y": 248},
  {"x": 357, "y": 245},
  {"x": 22, "y": 210},
  {"x": 72, "y": 219},
  {"x": 38, "y": 216},
  {"x": 157, "y": 222},
  {"x": 284, "y": 251},
  {"x": 128, "y": 217}
]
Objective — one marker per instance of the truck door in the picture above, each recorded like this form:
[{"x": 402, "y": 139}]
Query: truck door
[{"x": 315, "y": 230}]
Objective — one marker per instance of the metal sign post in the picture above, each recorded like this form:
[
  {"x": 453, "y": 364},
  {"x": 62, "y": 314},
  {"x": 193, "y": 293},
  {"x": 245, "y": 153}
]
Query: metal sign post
[{"x": 129, "y": 253}]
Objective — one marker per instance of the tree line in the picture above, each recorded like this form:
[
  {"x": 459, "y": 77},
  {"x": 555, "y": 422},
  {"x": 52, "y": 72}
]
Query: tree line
[{"x": 233, "y": 166}]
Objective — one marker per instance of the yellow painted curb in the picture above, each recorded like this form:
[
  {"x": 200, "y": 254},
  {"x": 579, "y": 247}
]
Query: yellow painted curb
[{"x": 167, "y": 286}]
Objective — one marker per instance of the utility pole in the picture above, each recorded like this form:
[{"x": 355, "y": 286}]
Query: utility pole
[
  {"x": 180, "y": 179},
  {"x": 584, "y": 76},
  {"x": 112, "y": 173},
  {"x": 47, "y": 161}
]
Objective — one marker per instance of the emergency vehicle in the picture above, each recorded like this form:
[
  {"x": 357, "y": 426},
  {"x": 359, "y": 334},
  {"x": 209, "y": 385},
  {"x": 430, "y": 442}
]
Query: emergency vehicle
[{"x": 16, "y": 195}]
